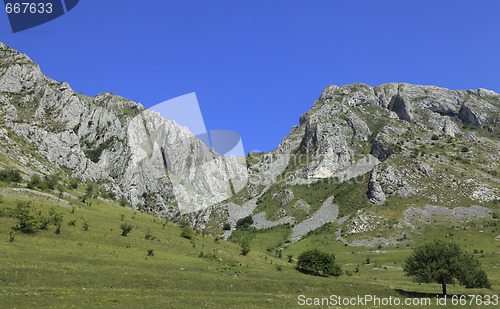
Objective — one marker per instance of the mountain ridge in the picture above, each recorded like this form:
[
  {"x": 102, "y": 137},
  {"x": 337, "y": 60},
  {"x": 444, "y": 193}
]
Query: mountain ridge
[{"x": 387, "y": 144}]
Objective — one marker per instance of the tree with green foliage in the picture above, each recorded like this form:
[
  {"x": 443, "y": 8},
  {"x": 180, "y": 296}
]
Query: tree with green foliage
[
  {"x": 51, "y": 181},
  {"x": 10, "y": 175},
  {"x": 244, "y": 222},
  {"x": 36, "y": 182},
  {"x": 445, "y": 263},
  {"x": 318, "y": 263},
  {"x": 26, "y": 222}
]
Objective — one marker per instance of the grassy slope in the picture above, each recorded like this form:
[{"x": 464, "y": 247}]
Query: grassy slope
[{"x": 100, "y": 268}]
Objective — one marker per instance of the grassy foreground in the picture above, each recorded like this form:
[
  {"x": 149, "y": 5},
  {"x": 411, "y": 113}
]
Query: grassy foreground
[{"x": 100, "y": 268}]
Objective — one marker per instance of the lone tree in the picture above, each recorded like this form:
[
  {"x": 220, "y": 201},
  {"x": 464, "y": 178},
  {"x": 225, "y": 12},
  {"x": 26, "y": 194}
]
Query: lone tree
[
  {"x": 445, "y": 263},
  {"x": 319, "y": 263}
]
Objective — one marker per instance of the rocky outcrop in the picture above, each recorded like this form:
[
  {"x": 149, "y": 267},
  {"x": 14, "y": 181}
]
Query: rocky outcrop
[
  {"x": 375, "y": 192},
  {"x": 149, "y": 160},
  {"x": 327, "y": 213}
]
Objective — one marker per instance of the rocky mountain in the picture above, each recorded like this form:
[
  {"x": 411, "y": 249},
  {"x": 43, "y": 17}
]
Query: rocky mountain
[
  {"x": 394, "y": 149},
  {"x": 47, "y": 128},
  {"x": 361, "y": 157}
]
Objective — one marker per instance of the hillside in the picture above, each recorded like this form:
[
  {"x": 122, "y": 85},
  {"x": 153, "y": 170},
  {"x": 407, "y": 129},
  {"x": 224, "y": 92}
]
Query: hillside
[
  {"x": 366, "y": 156},
  {"x": 98, "y": 267}
]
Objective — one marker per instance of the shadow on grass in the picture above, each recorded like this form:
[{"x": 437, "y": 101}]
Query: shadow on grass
[{"x": 412, "y": 294}]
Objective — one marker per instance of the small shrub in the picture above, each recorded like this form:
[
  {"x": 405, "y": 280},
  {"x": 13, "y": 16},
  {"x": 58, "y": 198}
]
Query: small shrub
[
  {"x": 123, "y": 202},
  {"x": 85, "y": 226},
  {"x": 58, "y": 229},
  {"x": 279, "y": 268},
  {"x": 89, "y": 189},
  {"x": 187, "y": 232},
  {"x": 149, "y": 236},
  {"x": 72, "y": 223},
  {"x": 434, "y": 137},
  {"x": 245, "y": 249},
  {"x": 73, "y": 183},
  {"x": 44, "y": 223},
  {"x": 464, "y": 149},
  {"x": 244, "y": 222},
  {"x": 36, "y": 182},
  {"x": 56, "y": 218},
  {"x": 126, "y": 228},
  {"x": 226, "y": 226},
  {"x": 51, "y": 181},
  {"x": 290, "y": 258},
  {"x": 10, "y": 175},
  {"x": 11, "y": 237},
  {"x": 150, "y": 252},
  {"x": 1, "y": 199},
  {"x": 367, "y": 261}
]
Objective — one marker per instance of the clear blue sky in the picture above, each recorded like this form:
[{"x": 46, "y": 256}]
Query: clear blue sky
[{"x": 257, "y": 65}]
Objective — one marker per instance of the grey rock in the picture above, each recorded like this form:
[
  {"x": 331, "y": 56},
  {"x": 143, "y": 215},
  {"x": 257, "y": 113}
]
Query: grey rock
[
  {"x": 327, "y": 213},
  {"x": 375, "y": 192}
]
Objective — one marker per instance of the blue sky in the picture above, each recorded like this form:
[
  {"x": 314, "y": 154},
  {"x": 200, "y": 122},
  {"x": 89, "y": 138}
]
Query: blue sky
[{"x": 256, "y": 66}]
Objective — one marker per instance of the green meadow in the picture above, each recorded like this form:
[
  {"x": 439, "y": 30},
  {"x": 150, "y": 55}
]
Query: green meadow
[{"x": 153, "y": 266}]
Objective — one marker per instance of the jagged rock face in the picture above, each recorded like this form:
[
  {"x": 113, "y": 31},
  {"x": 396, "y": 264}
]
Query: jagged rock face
[{"x": 143, "y": 157}]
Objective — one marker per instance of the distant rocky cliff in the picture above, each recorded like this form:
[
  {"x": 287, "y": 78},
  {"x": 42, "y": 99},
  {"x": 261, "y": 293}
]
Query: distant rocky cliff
[
  {"x": 388, "y": 143},
  {"x": 47, "y": 128}
]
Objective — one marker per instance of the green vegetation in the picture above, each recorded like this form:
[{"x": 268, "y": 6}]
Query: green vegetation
[
  {"x": 187, "y": 232},
  {"x": 95, "y": 154},
  {"x": 445, "y": 263},
  {"x": 10, "y": 175},
  {"x": 48, "y": 182},
  {"x": 318, "y": 263},
  {"x": 117, "y": 271},
  {"x": 126, "y": 228},
  {"x": 349, "y": 195},
  {"x": 244, "y": 222}
]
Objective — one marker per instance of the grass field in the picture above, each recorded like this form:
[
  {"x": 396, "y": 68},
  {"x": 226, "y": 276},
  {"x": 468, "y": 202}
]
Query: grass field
[{"x": 102, "y": 269}]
